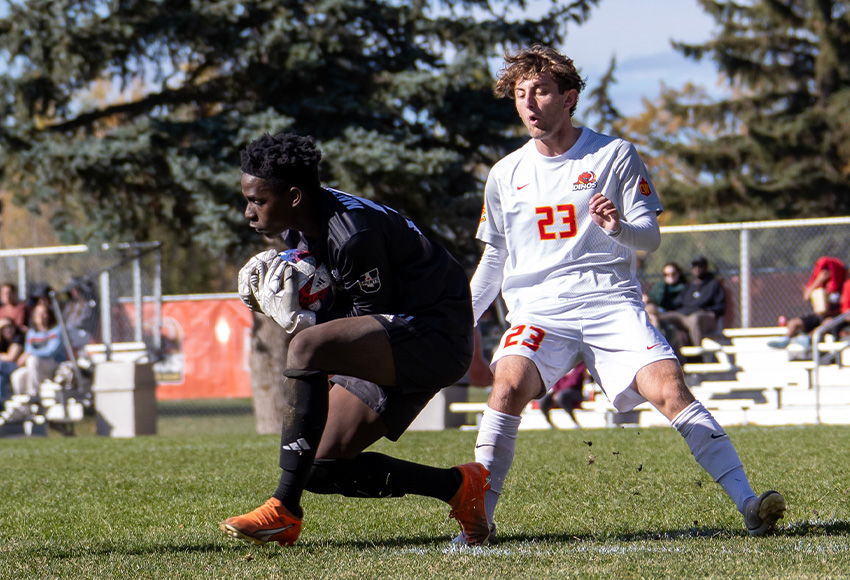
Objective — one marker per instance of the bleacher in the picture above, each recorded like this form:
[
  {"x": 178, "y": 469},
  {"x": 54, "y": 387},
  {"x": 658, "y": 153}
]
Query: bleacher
[
  {"x": 741, "y": 380},
  {"x": 750, "y": 382}
]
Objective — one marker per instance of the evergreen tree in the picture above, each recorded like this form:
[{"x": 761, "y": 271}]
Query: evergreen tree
[
  {"x": 779, "y": 146},
  {"x": 600, "y": 107},
  {"x": 128, "y": 115}
]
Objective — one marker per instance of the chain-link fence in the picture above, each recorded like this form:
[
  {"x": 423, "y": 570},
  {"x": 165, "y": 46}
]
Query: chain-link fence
[
  {"x": 764, "y": 265},
  {"x": 111, "y": 294}
]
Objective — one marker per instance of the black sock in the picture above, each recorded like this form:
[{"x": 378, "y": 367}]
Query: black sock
[
  {"x": 378, "y": 475},
  {"x": 303, "y": 423}
]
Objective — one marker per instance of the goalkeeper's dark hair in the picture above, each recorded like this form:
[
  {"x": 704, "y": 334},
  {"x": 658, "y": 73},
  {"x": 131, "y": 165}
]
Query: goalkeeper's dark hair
[
  {"x": 286, "y": 160},
  {"x": 535, "y": 60}
]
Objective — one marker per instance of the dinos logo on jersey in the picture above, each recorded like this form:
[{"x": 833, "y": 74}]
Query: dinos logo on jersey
[
  {"x": 643, "y": 187},
  {"x": 483, "y": 217},
  {"x": 370, "y": 281},
  {"x": 587, "y": 180}
]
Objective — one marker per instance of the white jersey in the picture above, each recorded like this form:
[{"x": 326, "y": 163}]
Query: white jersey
[{"x": 536, "y": 207}]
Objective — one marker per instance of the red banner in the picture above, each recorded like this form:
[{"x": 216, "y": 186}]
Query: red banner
[{"x": 206, "y": 345}]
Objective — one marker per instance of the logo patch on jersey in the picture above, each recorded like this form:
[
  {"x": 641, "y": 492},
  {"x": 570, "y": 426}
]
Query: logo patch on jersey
[
  {"x": 370, "y": 281},
  {"x": 483, "y": 217},
  {"x": 643, "y": 187},
  {"x": 587, "y": 180}
]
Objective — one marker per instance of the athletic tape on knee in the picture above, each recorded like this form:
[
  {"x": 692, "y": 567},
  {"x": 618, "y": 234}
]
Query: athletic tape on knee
[
  {"x": 709, "y": 443},
  {"x": 495, "y": 445},
  {"x": 305, "y": 412}
]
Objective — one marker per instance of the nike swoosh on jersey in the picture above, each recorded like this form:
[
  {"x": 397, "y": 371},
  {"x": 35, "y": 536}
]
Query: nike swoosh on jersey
[
  {"x": 716, "y": 436},
  {"x": 521, "y": 186},
  {"x": 653, "y": 346},
  {"x": 266, "y": 534}
]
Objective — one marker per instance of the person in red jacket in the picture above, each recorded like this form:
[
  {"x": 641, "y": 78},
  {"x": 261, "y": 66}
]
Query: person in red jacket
[
  {"x": 828, "y": 274},
  {"x": 12, "y": 308}
]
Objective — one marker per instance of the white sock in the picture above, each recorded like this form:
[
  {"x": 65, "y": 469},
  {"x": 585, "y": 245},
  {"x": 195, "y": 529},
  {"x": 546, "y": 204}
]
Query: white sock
[
  {"x": 713, "y": 450},
  {"x": 494, "y": 449},
  {"x": 737, "y": 486}
]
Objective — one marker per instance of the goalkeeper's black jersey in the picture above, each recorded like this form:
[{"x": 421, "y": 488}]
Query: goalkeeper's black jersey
[{"x": 384, "y": 265}]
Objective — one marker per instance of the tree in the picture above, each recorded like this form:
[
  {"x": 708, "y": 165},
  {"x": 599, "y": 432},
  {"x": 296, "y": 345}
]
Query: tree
[
  {"x": 779, "y": 146},
  {"x": 397, "y": 94}
]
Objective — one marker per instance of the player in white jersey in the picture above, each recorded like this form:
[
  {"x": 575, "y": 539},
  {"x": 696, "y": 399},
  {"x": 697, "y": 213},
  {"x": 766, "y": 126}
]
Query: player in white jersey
[{"x": 562, "y": 219}]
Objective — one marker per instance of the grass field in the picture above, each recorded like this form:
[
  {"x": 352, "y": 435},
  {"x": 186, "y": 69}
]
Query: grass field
[{"x": 619, "y": 503}]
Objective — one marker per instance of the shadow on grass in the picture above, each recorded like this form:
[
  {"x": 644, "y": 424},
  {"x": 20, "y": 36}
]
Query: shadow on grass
[
  {"x": 794, "y": 529},
  {"x": 441, "y": 542}
]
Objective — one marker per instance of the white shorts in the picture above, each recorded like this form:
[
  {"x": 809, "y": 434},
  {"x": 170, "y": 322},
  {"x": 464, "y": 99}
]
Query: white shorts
[{"x": 614, "y": 346}]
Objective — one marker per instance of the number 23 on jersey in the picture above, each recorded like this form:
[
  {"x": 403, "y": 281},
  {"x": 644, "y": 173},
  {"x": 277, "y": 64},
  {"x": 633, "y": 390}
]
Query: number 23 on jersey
[
  {"x": 557, "y": 222},
  {"x": 525, "y": 335}
]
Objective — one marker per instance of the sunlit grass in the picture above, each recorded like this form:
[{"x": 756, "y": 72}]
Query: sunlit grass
[{"x": 620, "y": 503}]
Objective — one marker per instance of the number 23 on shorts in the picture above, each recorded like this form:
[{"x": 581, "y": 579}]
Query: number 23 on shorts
[{"x": 525, "y": 335}]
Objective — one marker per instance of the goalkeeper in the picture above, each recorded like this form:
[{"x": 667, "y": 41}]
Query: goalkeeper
[{"x": 400, "y": 329}]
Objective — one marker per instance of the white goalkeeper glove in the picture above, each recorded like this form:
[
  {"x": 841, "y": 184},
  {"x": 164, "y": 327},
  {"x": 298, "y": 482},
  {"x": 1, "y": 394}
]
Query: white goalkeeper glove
[
  {"x": 250, "y": 277},
  {"x": 277, "y": 296}
]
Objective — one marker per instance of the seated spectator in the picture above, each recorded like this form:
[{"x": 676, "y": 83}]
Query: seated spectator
[
  {"x": 662, "y": 298},
  {"x": 664, "y": 294},
  {"x": 828, "y": 277},
  {"x": 80, "y": 313},
  {"x": 844, "y": 328},
  {"x": 699, "y": 306},
  {"x": 11, "y": 347},
  {"x": 567, "y": 393},
  {"x": 10, "y": 307},
  {"x": 40, "y": 294},
  {"x": 44, "y": 349}
]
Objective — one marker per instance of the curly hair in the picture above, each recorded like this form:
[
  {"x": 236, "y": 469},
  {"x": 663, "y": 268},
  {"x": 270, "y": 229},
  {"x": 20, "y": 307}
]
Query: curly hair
[
  {"x": 536, "y": 60},
  {"x": 285, "y": 160}
]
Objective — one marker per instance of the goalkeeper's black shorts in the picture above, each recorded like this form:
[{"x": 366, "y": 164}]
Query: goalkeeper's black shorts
[{"x": 426, "y": 360}]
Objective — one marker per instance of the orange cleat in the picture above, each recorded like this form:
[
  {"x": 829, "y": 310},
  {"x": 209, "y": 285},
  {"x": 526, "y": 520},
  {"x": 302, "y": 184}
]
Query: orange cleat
[
  {"x": 468, "y": 504},
  {"x": 271, "y": 522}
]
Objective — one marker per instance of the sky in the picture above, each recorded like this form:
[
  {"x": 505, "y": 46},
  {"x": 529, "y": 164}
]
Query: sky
[{"x": 639, "y": 33}]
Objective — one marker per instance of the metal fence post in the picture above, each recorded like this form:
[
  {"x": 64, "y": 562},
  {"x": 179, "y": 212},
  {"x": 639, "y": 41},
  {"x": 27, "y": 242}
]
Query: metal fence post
[
  {"x": 745, "y": 277},
  {"x": 106, "y": 313},
  {"x": 157, "y": 294},
  {"x": 138, "y": 330},
  {"x": 22, "y": 277}
]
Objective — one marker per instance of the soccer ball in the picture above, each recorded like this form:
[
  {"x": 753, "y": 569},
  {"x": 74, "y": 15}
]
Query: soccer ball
[{"x": 315, "y": 285}]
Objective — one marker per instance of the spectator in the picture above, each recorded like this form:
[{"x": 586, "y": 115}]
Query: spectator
[
  {"x": 700, "y": 305},
  {"x": 567, "y": 393},
  {"x": 11, "y": 307},
  {"x": 80, "y": 313},
  {"x": 664, "y": 295},
  {"x": 40, "y": 294},
  {"x": 11, "y": 347},
  {"x": 845, "y": 308},
  {"x": 662, "y": 298},
  {"x": 827, "y": 279},
  {"x": 44, "y": 349}
]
